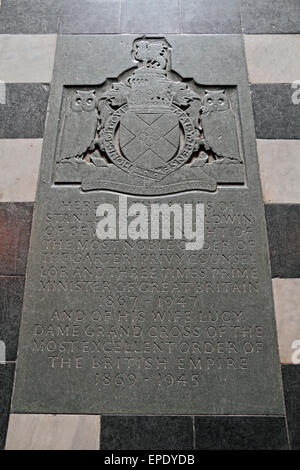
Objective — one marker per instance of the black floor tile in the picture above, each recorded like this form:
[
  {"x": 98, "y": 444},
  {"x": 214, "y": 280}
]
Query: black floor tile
[
  {"x": 291, "y": 387},
  {"x": 6, "y": 387},
  {"x": 23, "y": 115},
  {"x": 275, "y": 115},
  {"x": 11, "y": 299},
  {"x": 283, "y": 225},
  {"x": 211, "y": 16},
  {"x": 15, "y": 227},
  {"x": 270, "y": 16},
  {"x": 90, "y": 16},
  {"x": 146, "y": 433},
  {"x": 155, "y": 16},
  {"x": 29, "y": 16},
  {"x": 240, "y": 433}
]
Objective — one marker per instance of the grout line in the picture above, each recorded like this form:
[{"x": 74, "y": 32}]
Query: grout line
[
  {"x": 120, "y": 17},
  {"x": 180, "y": 17},
  {"x": 12, "y": 275},
  {"x": 241, "y": 16}
]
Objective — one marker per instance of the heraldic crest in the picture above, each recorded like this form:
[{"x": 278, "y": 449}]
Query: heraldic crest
[{"x": 149, "y": 134}]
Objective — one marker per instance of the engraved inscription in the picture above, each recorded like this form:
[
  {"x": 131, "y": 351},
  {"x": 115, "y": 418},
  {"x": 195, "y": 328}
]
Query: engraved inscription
[{"x": 152, "y": 316}]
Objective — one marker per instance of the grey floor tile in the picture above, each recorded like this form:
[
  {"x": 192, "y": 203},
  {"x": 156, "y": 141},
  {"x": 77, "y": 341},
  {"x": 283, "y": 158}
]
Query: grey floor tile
[
  {"x": 275, "y": 115},
  {"x": 283, "y": 225},
  {"x": 273, "y": 58},
  {"x": 287, "y": 309},
  {"x": 29, "y": 16},
  {"x": 27, "y": 58},
  {"x": 15, "y": 227},
  {"x": 291, "y": 387},
  {"x": 146, "y": 433},
  {"x": 270, "y": 16},
  {"x": 240, "y": 433},
  {"x": 279, "y": 168},
  {"x": 211, "y": 16},
  {"x": 6, "y": 386},
  {"x": 24, "y": 112},
  {"x": 11, "y": 299},
  {"x": 90, "y": 16},
  {"x": 154, "y": 16},
  {"x": 53, "y": 432},
  {"x": 19, "y": 182}
]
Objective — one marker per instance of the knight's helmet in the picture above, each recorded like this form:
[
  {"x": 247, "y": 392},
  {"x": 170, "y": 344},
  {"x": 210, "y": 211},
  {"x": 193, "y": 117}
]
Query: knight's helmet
[{"x": 150, "y": 89}]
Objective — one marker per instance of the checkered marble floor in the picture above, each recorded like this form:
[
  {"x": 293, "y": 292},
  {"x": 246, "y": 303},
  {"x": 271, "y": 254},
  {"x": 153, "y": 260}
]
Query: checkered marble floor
[{"x": 28, "y": 34}]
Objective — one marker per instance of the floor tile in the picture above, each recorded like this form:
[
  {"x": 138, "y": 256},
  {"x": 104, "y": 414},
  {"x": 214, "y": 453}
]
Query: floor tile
[
  {"x": 275, "y": 115},
  {"x": 29, "y": 16},
  {"x": 27, "y": 58},
  {"x": 283, "y": 224},
  {"x": 15, "y": 226},
  {"x": 273, "y": 58},
  {"x": 6, "y": 386},
  {"x": 53, "y": 432},
  {"x": 279, "y": 166},
  {"x": 21, "y": 160},
  {"x": 291, "y": 386},
  {"x": 287, "y": 309},
  {"x": 23, "y": 115},
  {"x": 270, "y": 16},
  {"x": 240, "y": 433},
  {"x": 146, "y": 432},
  {"x": 210, "y": 16},
  {"x": 90, "y": 16},
  {"x": 154, "y": 16},
  {"x": 11, "y": 299}
]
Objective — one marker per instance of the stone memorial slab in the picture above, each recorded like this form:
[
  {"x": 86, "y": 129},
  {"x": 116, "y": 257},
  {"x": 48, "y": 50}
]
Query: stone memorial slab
[{"x": 148, "y": 286}]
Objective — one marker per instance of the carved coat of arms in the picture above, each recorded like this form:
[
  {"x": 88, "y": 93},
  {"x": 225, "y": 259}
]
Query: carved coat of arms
[{"x": 150, "y": 134}]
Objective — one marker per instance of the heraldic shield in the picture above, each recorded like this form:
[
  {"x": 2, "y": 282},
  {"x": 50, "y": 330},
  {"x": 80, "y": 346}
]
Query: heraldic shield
[
  {"x": 149, "y": 139},
  {"x": 145, "y": 134}
]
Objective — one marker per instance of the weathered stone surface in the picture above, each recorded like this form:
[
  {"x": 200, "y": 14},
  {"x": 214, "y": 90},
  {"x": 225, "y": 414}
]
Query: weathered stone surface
[
  {"x": 275, "y": 103},
  {"x": 23, "y": 113},
  {"x": 11, "y": 295},
  {"x": 29, "y": 16},
  {"x": 210, "y": 16},
  {"x": 94, "y": 16},
  {"x": 15, "y": 226},
  {"x": 291, "y": 384},
  {"x": 146, "y": 432},
  {"x": 6, "y": 386},
  {"x": 240, "y": 433},
  {"x": 283, "y": 224},
  {"x": 161, "y": 16},
  {"x": 136, "y": 325},
  {"x": 269, "y": 17}
]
